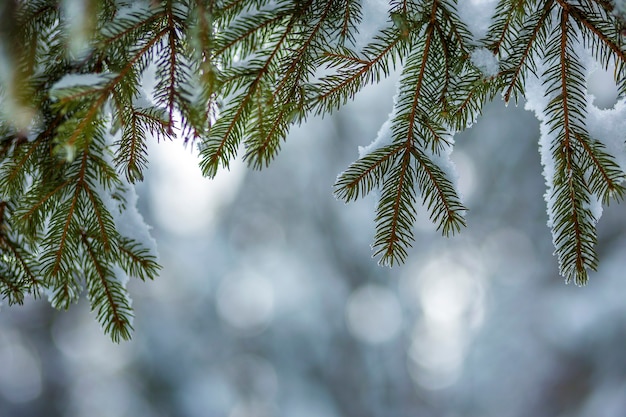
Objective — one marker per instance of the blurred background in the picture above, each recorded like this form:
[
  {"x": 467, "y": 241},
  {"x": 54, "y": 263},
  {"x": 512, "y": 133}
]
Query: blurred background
[{"x": 269, "y": 304}]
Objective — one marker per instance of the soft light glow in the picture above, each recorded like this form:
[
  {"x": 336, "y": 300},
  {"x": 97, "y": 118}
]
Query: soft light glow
[
  {"x": 246, "y": 302},
  {"x": 20, "y": 375},
  {"x": 373, "y": 314},
  {"x": 185, "y": 202},
  {"x": 436, "y": 354},
  {"x": 449, "y": 290},
  {"x": 446, "y": 291}
]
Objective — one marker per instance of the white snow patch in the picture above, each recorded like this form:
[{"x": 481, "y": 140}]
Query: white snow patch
[
  {"x": 130, "y": 223},
  {"x": 75, "y": 80},
  {"x": 142, "y": 100},
  {"x": 609, "y": 127},
  {"x": 536, "y": 101},
  {"x": 383, "y": 138},
  {"x": 485, "y": 61},
  {"x": 384, "y": 135},
  {"x": 477, "y": 15},
  {"x": 602, "y": 87},
  {"x": 122, "y": 205},
  {"x": 375, "y": 16}
]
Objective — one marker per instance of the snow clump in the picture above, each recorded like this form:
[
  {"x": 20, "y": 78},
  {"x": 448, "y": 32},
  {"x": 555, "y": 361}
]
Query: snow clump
[{"x": 485, "y": 61}]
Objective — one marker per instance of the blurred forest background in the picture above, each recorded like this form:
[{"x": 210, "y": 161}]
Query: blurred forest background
[{"x": 269, "y": 304}]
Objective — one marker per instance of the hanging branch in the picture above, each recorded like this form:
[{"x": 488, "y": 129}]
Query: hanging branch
[{"x": 234, "y": 76}]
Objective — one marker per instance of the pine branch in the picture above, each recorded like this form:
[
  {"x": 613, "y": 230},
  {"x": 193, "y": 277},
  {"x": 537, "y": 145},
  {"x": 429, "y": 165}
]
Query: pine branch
[
  {"x": 396, "y": 212},
  {"x": 226, "y": 134},
  {"x": 351, "y": 17},
  {"x": 202, "y": 42},
  {"x": 605, "y": 176},
  {"x": 469, "y": 92},
  {"x": 60, "y": 248},
  {"x": 603, "y": 34},
  {"x": 21, "y": 160},
  {"x": 367, "y": 173},
  {"x": 583, "y": 170},
  {"x": 289, "y": 97},
  {"x": 439, "y": 195},
  {"x": 508, "y": 15},
  {"x": 239, "y": 41},
  {"x": 132, "y": 153},
  {"x": 599, "y": 24},
  {"x": 240, "y": 73},
  {"x": 18, "y": 272},
  {"x": 531, "y": 38},
  {"x": 378, "y": 59},
  {"x": 415, "y": 127},
  {"x": 137, "y": 261},
  {"x": 106, "y": 294}
]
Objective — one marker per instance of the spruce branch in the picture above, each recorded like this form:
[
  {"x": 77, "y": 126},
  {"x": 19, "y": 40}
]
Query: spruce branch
[
  {"x": 239, "y": 74},
  {"x": 605, "y": 175},
  {"x": 228, "y": 132},
  {"x": 508, "y": 15},
  {"x": 105, "y": 293},
  {"x": 18, "y": 270},
  {"x": 439, "y": 195},
  {"x": 354, "y": 71},
  {"x": 396, "y": 212},
  {"x": 367, "y": 173},
  {"x": 136, "y": 260},
  {"x": 531, "y": 38},
  {"x": 132, "y": 154},
  {"x": 351, "y": 16},
  {"x": 583, "y": 170}
]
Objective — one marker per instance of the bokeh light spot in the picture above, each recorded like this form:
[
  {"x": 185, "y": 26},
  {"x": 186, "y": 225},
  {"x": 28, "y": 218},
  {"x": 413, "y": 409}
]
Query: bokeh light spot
[
  {"x": 373, "y": 314},
  {"x": 246, "y": 302},
  {"x": 20, "y": 371}
]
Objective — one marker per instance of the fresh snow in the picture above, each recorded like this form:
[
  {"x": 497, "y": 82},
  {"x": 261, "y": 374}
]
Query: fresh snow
[
  {"x": 476, "y": 14},
  {"x": 76, "y": 80},
  {"x": 142, "y": 101},
  {"x": 375, "y": 16},
  {"x": 384, "y": 136},
  {"x": 485, "y": 61},
  {"x": 129, "y": 222},
  {"x": 609, "y": 127}
]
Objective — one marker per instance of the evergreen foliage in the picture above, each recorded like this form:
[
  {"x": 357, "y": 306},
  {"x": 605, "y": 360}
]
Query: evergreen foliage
[{"x": 238, "y": 74}]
